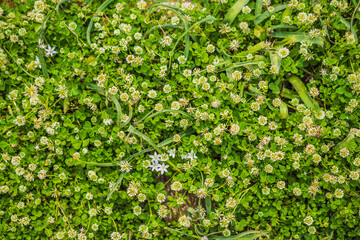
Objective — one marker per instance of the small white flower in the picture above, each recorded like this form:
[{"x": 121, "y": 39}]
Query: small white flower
[
  {"x": 50, "y": 51},
  {"x": 172, "y": 152},
  {"x": 162, "y": 168}
]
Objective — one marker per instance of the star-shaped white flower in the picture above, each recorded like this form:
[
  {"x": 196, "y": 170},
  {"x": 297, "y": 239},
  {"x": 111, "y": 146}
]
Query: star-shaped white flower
[
  {"x": 50, "y": 51},
  {"x": 162, "y": 168},
  {"x": 172, "y": 152},
  {"x": 37, "y": 62}
]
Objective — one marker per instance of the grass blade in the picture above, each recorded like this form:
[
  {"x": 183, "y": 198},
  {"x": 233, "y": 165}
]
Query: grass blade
[
  {"x": 294, "y": 37},
  {"x": 129, "y": 119},
  {"x": 40, "y": 39},
  {"x": 167, "y": 110},
  {"x": 208, "y": 204},
  {"x": 257, "y": 60},
  {"x": 118, "y": 182},
  {"x": 167, "y": 6},
  {"x": 289, "y": 94},
  {"x": 171, "y": 140},
  {"x": 265, "y": 15},
  {"x": 283, "y": 26},
  {"x": 257, "y": 92},
  {"x": 303, "y": 93},
  {"x": 234, "y": 11},
  {"x": 283, "y": 110},
  {"x": 286, "y": 13},
  {"x": 248, "y": 235},
  {"x": 162, "y": 144},
  {"x": 163, "y": 26},
  {"x": 344, "y": 142},
  {"x": 113, "y": 99},
  {"x": 183, "y": 233},
  {"x": 104, "y": 5},
  {"x": 131, "y": 129},
  {"x": 258, "y": 7},
  {"x": 42, "y": 62},
  {"x": 58, "y": 5},
  {"x": 177, "y": 11},
  {"x": 208, "y": 18},
  {"x": 348, "y": 25},
  {"x": 146, "y": 138}
]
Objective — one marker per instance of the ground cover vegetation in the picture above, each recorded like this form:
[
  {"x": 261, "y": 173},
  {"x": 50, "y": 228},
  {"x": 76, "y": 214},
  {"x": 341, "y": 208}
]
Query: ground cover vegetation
[{"x": 203, "y": 120}]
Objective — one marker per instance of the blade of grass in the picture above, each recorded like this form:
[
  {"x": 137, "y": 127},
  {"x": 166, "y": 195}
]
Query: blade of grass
[
  {"x": 3, "y": 47},
  {"x": 275, "y": 60},
  {"x": 166, "y": 110},
  {"x": 257, "y": 60},
  {"x": 40, "y": 39},
  {"x": 129, "y": 119},
  {"x": 286, "y": 13},
  {"x": 146, "y": 138},
  {"x": 208, "y": 204},
  {"x": 232, "y": 13},
  {"x": 162, "y": 144},
  {"x": 303, "y": 93},
  {"x": 294, "y": 37},
  {"x": 242, "y": 236},
  {"x": 208, "y": 18},
  {"x": 102, "y": 6},
  {"x": 183, "y": 233},
  {"x": 284, "y": 26},
  {"x": 258, "y": 7},
  {"x": 352, "y": 20},
  {"x": 118, "y": 182},
  {"x": 113, "y": 99},
  {"x": 177, "y": 11},
  {"x": 289, "y": 94},
  {"x": 265, "y": 15},
  {"x": 163, "y": 26},
  {"x": 257, "y": 92},
  {"x": 166, "y": 6},
  {"x": 283, "y": 110},
  {"x": 131, "y": 129},
  {"x": 344, "y": 142},
  {"x": 58, "y": 5}
]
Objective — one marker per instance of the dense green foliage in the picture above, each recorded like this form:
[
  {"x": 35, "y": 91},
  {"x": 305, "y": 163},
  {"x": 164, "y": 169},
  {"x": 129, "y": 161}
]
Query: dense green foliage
[{"x": 163, "y": 120}]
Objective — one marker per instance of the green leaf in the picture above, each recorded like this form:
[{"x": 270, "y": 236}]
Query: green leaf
[
  {"x": 232, "y": 13},
  {"x": 341, "y": 90},
  {"x": 3, "y": 144},
  {"x": 274, "y": 88},
  {"x": 76, "y": 144},
  {"x": 48, "y": 232}
]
